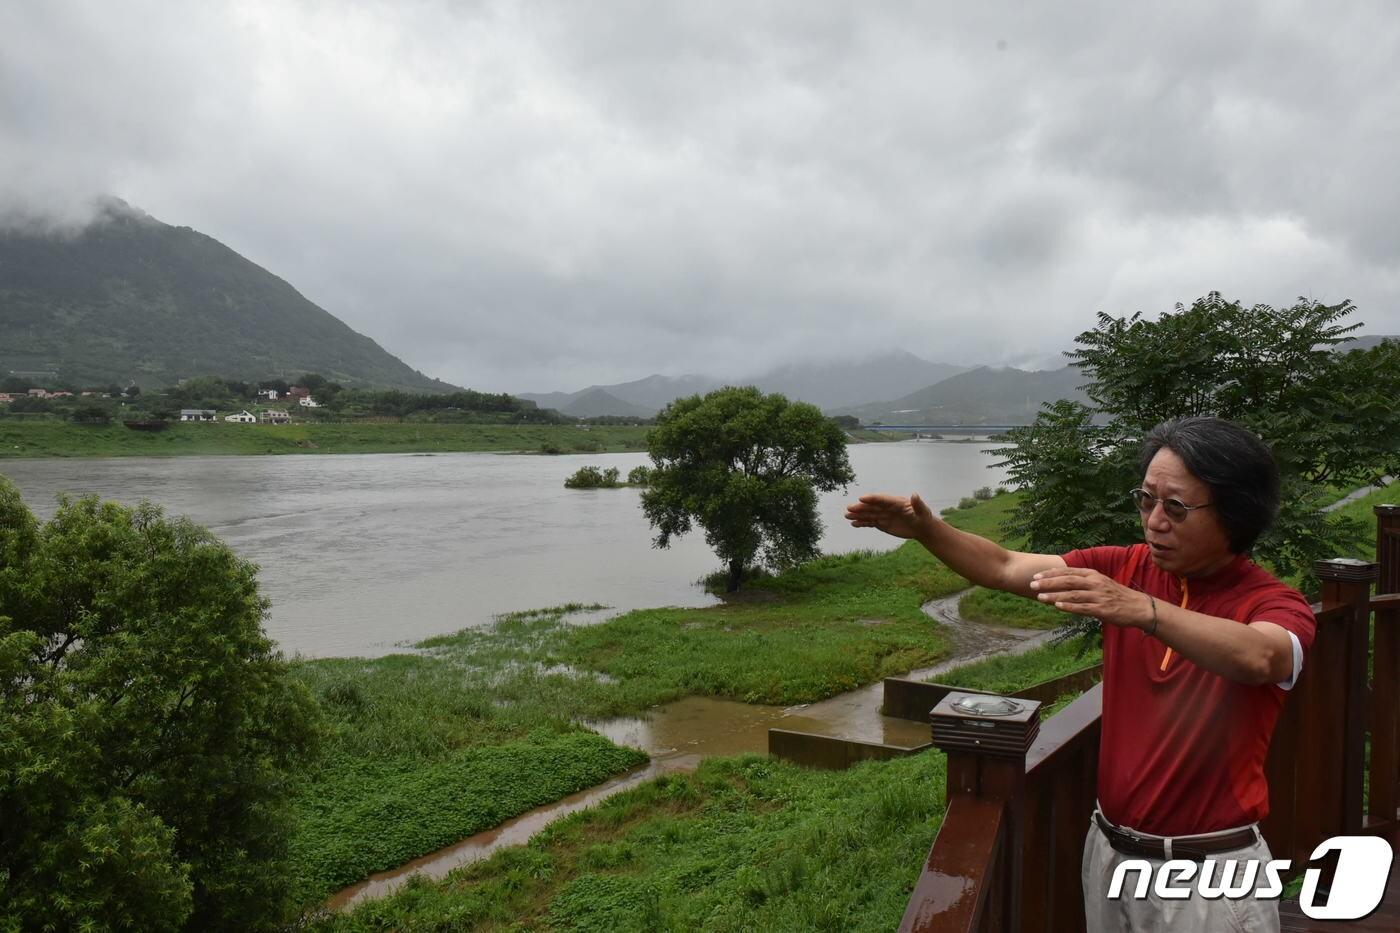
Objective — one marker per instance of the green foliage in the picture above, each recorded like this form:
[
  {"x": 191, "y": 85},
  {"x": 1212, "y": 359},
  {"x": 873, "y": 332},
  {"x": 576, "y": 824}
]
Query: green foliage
[
  {"x": 148, "y": 731},
  {"x": 639, "y": 476},
  {"x": 983, "y": 494},
  {"x": 1328, "y": 415},
  {"x": 59, "y": 439},
  {"x": 591, "y": 477},
  {"x": 744, "y": 843},
  {"x": 370, "y": 814},
  {"x": 967, "y": 502},
  {"x": 745, "y": 467},
  {"x": 846, "y": 422}
]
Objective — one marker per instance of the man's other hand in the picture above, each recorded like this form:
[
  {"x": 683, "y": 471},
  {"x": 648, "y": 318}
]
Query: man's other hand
[
  {"x": 1090, "y": 593},
  {"x": 894, "y": 515}
]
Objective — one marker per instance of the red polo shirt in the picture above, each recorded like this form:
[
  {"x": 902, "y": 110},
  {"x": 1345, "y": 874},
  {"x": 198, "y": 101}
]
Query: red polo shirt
[{"x": 1182, "y": 750}]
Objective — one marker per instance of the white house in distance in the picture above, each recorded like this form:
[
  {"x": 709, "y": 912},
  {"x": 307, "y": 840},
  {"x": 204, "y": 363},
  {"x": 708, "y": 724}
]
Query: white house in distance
[
  {"x": 197, "y": 414},
  {"x": 307, "y": 401},
  {"x": 243, "y": 417},
  {"x": 269, "y": 394},
  {"x": 275, "y": 416}
]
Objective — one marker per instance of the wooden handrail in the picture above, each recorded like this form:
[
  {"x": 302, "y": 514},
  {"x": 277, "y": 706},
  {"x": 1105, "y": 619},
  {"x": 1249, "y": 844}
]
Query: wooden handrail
[
  {"x": 1066, "y": 732},
  {"x": 951, "y": 893}
]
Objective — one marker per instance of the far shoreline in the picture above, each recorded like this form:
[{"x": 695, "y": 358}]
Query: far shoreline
[{"x": 28, "y": 440}]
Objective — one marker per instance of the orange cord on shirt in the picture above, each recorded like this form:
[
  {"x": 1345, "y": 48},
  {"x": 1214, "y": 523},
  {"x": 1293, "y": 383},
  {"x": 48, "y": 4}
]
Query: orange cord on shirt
[{"x": 1185, "y": 598}]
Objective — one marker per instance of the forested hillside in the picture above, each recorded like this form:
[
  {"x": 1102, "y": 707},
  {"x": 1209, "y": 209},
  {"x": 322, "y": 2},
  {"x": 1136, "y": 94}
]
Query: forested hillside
[{"x": 130, "y": 297}]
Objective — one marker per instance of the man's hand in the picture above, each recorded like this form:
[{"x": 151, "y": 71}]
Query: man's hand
[
  {"x": 894, "y": 515},
  {"x": 1090, "y": 593}
]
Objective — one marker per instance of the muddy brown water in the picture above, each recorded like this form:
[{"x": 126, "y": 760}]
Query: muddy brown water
[{"x": 681, "y": 734}]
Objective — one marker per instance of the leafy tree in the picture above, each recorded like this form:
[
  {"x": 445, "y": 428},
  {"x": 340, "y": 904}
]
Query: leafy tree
[
  {"x": 15, "y": 384},
  {"x": 746, "y": 468},
  {"x": 1328, "y": 415},
  {"x": 149, "y": 733},
  {"x": 91, "y": 414},
  {"x": 30, "y": 403},
  {"x": 848, "y": 422},
  {"x": 639, "y": 476}
]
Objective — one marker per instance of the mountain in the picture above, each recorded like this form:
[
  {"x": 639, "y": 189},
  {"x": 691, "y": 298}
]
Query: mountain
[
  {"x": 1367, "y": 342},
  {"x": 980, "y": 396},
  {"x": 129, "y": 297},
  {"x": 592, "y": 403},
  {"x": 842, "y": 383},
  {"x": 824, "y": 384}
]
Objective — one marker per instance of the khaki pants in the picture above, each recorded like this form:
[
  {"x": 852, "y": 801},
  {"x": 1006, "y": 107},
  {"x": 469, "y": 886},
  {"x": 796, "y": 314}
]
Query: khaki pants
[{"x": 1153, "y": 913}]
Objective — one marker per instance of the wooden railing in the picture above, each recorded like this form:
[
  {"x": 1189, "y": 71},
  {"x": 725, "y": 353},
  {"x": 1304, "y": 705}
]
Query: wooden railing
[{"x": 1008, "y": 855}]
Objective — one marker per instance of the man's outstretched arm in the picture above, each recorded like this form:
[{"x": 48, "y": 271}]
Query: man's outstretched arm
[{"x": 984, "y": 562}]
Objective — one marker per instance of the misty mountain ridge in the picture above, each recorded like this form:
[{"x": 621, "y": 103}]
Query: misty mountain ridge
[
  {"x": 985, "y": 395},
  {"x": 128, "y": 297},
  {"x": 826, "y": 384}
]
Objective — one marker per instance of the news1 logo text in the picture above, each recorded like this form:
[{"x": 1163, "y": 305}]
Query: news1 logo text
[{"x": 1361, "y": 868}]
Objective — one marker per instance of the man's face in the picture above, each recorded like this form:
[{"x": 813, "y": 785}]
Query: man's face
[{"x": 1197, "y": 545}]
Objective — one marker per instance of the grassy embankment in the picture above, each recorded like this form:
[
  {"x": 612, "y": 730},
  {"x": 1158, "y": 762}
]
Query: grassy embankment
[
  {"x": 428, "y": 748},
  {"x": 63, "y": 439},
  {"x": 744, "y": 843}
]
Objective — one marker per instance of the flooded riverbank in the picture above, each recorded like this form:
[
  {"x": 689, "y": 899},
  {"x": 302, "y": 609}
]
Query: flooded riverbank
[
  {"x": 681, "y": 734},
  {"x": 362, "y": 554}
]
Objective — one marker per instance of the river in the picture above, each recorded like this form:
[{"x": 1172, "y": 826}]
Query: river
[{"x": 363, "y": 553}]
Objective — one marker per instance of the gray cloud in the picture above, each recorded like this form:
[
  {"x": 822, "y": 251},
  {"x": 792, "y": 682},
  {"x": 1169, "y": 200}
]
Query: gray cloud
[{"x": 536, "y": 196}]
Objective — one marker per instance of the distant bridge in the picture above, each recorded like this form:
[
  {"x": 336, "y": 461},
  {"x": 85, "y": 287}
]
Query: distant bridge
[{"x": 943, "y": 428}]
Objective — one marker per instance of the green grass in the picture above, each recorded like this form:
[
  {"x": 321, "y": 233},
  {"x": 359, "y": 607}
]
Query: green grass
[
  {"x": 745, "y": 843},
  {"x": 999, "y": 608},
  {"x": 1361, "y": 510},
  {"x": 1009, "y": 673},
  {"x": 62, "y": 439},
  {"x": 482, "y": 725}
]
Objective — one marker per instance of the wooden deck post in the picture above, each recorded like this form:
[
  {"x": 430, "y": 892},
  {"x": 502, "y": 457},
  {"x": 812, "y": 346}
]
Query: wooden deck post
[
  {"x": 1384, "y": 804},
  {"x": 1334, "y": 714},
  {"x": 1388, "y": 548},
  {"x": 986, "y": 739}
]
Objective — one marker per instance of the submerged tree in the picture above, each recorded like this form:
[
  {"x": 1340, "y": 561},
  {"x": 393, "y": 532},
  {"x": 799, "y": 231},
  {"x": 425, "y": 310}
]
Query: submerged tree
[
  {"x": 745, "y": 467},
  {"x": 1328, "y": 414},
  {"x": 149, "y": 733}
]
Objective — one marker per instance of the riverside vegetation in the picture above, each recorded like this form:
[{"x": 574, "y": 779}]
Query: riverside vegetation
[
  {"x": 63, "y": 439},
  {"x": 744, "y": 842},
  {"x": 427, "y": 748}
]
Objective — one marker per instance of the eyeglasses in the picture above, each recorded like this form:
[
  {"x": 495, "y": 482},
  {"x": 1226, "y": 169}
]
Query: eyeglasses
[{"x": 1176, "y": 509}]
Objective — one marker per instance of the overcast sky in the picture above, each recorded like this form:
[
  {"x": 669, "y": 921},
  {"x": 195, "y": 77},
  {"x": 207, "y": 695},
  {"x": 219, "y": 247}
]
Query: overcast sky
[{"x": 540, "y": 196}]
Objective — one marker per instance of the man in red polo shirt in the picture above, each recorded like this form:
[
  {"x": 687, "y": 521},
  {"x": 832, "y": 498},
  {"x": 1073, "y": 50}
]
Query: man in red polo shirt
[{"x": 1200, "y": 647}]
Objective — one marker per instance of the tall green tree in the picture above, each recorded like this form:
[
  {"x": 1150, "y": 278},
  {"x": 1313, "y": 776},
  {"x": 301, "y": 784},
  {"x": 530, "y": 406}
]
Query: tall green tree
[
  {"x": 1328, "y": 414},
  {"x": 149, "y": 733},
  {"x": 746, "y": 467}
]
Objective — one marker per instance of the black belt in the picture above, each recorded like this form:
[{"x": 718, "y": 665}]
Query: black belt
[{"x": 1191, "y": 848}]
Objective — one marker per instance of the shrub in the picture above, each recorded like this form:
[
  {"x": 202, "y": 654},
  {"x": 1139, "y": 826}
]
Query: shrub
[
  {"x": 149, "y": 733},
  {"x": 639, "y": 476},
  {"x": 983, "y": 494},
  {"x": 590, "y": 477},
  {"x": 967, "y": 502}
]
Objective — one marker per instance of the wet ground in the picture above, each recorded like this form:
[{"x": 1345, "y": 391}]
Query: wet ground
[{"x": 679, "y": 735}]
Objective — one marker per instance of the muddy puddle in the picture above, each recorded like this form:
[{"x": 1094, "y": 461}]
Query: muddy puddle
[{"x": 681, "y": 734}]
